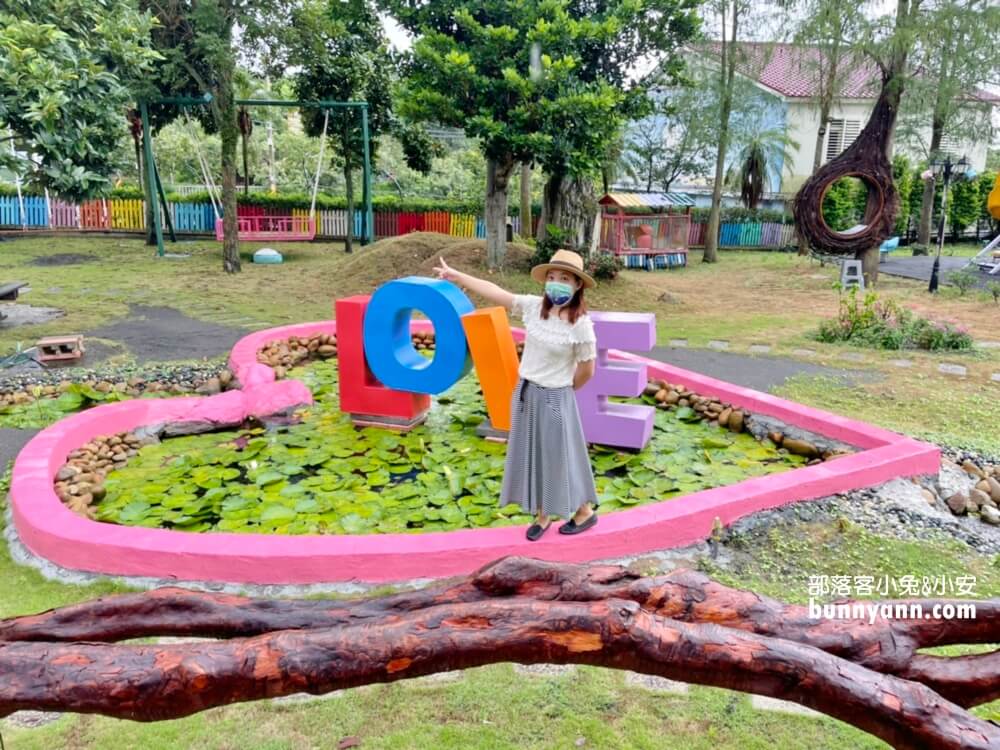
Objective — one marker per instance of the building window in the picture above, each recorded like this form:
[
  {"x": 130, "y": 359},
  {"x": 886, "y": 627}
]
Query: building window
[
  {"x": 839, "y": 135},
  {"x": 949, "y": 146}
]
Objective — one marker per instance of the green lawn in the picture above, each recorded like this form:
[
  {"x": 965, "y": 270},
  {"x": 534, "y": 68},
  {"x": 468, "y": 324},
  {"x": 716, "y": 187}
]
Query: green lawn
[{"x": 747, "y": 297}]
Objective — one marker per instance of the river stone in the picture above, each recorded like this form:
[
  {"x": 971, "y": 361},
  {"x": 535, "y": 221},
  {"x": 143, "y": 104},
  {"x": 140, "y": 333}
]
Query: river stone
[
  {"x": 957, "y": 503},
  {"x": 952, "y": 479},
  {"x": 978, "y": 497},
  {"x": 210, "y": 387},
  {"x": 990, "y": 515},
  {"x": 800, "y": 447},
  {"x": 994, "y": 489},
  {"x": 970, "y": 468}
]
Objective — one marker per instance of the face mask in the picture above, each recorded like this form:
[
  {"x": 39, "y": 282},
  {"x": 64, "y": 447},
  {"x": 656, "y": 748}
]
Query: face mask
[{"x": 558, "y": 292}]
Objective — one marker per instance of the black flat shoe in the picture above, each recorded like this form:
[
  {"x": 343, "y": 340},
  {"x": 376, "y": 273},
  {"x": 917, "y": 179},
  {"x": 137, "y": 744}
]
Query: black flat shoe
[
  {"x": 572, "y": 527},
  {"x": 535, "y": 531}
]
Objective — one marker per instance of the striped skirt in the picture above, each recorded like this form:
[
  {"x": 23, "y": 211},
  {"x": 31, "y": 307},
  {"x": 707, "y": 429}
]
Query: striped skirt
[{"x": 548, "y": 467}]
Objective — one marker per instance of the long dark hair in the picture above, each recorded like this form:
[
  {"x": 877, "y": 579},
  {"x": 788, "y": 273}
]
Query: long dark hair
[{"x": 576, "y": 306}]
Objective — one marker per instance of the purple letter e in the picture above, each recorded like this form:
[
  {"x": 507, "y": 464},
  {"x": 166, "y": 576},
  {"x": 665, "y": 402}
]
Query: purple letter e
[{"x": 618, "y": 425}]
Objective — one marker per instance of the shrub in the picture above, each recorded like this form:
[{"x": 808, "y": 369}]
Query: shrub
[
  {"x": 994, "y": 288},
  {"x": 872, "y": 322},
  {"x": 604, "y": 265},
  {"x": 963, "y": 280},
  {"x": 917, "y": 249},
  {"x": 555, "y": 239}
]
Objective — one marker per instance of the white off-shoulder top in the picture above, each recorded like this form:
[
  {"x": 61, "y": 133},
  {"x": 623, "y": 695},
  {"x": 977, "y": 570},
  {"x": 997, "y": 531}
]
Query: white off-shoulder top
[{"x": 552, "y": 347}]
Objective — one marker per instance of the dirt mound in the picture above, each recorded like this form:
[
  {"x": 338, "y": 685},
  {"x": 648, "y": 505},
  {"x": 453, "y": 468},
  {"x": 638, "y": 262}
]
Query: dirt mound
[{"x": 416, "y": 254}]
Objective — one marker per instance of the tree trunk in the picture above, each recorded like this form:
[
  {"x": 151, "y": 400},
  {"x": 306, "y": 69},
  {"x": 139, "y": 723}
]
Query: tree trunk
[
  {"x": 229, "y": 134},
  {"x": 727, "y": 74},
  {"x": 497, "y": 180},
  {"x": 570, "y": 204},
  {"x": 681, "y": 625},
  {"x": 925, "y": 227},
  {"x": 525, "y": 208},
  {"x": 246, "y": 170},
  {"x": 349, "y": 188}
]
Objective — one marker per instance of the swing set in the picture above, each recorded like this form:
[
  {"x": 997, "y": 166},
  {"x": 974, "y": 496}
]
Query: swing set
[{"x": 287, "y": 228}]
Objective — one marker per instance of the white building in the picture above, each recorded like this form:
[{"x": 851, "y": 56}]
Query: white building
[{"x": 788, "y": 74}]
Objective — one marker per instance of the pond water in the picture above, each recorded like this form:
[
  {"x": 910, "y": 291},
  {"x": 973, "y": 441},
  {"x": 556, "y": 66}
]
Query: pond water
[{"x": 324, "y": 476}]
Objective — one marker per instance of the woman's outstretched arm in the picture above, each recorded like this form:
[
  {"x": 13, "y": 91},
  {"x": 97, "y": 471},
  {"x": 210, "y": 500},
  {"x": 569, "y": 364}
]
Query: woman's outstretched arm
[{"x": 482, "y": 287}]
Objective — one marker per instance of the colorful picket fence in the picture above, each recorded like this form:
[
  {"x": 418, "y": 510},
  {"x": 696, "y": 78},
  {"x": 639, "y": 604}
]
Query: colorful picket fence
[
  {"x": 768, "y": 234},
  {"x": 28, "y": 211},
  {"x": 127, "y": 215}
]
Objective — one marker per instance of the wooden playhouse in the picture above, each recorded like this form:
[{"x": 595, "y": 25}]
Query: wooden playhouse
[{"x": 647, "y": 230}]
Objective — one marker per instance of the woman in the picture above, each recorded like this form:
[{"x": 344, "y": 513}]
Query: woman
[{"x": 548, "y": 468}]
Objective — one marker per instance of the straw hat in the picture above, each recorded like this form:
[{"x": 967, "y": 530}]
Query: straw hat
[{"x": 563, "y": 260}]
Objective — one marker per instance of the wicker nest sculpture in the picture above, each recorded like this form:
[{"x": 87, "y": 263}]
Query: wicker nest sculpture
[{"x": 866, "y": 160}]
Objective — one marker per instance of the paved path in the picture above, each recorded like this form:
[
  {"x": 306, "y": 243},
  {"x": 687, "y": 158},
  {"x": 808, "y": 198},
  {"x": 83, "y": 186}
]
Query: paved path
[
  {"x": 919, "y": 268},
  {"x": 11, "y": 442},
  {"x": 163, "y": 334},
  {"x": 759, "y": 373}
]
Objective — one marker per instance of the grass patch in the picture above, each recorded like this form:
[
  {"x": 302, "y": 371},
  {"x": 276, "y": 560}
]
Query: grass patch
[{"x": 961, "y": 415}]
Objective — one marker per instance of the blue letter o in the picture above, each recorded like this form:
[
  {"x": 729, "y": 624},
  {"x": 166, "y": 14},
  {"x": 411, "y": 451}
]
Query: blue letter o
[{"x": 389, "y": 347}]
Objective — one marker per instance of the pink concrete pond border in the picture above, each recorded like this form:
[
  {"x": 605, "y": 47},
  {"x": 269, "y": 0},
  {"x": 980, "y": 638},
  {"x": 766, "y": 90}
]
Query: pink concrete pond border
[{"x": 49, "y": 529}]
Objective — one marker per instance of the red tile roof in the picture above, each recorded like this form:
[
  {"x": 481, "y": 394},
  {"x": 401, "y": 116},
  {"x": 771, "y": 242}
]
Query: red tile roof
[{"x": 793, "y": 70}]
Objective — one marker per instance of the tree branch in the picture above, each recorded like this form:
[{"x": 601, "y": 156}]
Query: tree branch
[
  {"x": 149, "y": 683},
  {"x": 885, "y": 645}
]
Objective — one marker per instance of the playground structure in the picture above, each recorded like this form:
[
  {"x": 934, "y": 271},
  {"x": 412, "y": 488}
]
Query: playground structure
[
  {"x": 988, "y": 259},
  {"x": 258, "y": 226},
  {"x": 655, "y": 238}
]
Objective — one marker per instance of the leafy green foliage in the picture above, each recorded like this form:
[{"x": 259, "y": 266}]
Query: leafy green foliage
[
  {"x": 759, "y": 162},
  {"x": 904, "y": 180},
  {"x": 844, "y": 203},
  {"x": 872, "y": 322},
  {"x": 604, "y": 265},
  {"x": 993, "y": 288},
  {"x": 65, "y": 75},
  {"x": 964, "y": 280},
  {"x": 44, "y": 411},
  {"x": 323, "y": 476},
  {"x": 964, "y": 205},
  {"x": 555, "y": 238}
]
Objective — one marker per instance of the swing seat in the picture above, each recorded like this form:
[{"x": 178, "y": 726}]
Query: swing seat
[{"x": 272, "y": 228}]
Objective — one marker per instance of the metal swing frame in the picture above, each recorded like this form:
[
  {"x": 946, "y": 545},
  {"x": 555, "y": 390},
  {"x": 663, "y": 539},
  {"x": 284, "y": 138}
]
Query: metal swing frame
[{"x": 290, "y": 227}]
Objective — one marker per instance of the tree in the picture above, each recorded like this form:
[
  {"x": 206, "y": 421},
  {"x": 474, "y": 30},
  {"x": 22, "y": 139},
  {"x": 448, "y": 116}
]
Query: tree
[
  {"x": 622, "y": 34},
  {"x": 66, "y": 77},
  {"x": 963, "y": 205},
  {"x": 681, "y": 625},
  {"x": 343, "y": 55},
  {"x": 830, "y": 31},
  {"x": 955, "y": 53},
  {"x": 198, "y": 42},
  {"x": 196, "y": 39},
  {"x": 903, "y": 177},
  {"x": 729, "y": 12},
  {"x": 868, "y": 157},
  {"x": 688, "y": 114},
  {"x": 513, "y": 74},
  {"x": 759, "y": 163}
]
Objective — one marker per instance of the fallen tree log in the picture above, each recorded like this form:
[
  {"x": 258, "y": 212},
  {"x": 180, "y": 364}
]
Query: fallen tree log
[
  {"x": 886, "y": 645},
  {"x": 681, "y": 625}
]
